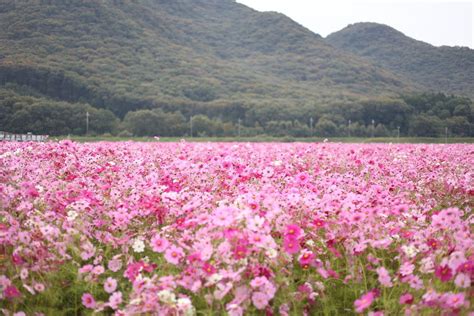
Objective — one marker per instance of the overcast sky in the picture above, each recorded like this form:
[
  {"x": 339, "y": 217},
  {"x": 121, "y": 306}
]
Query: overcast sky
[{"x": 438, "y": 22}]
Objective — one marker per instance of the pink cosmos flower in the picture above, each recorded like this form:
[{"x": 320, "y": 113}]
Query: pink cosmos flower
[
  {"x": 115, "y": 265},
  {"x": 208, "y": 268},
  {"x": 456, "y": 259},
  {"x": 254, "y": 206},
  {"x": 222, "y": 289},
  {"x": 87, "y": 254},
  {"x": 406, "y": 268},
  {"x": 4, "y": 281},
  {"x": 98, "y": 270},
  {"x": 23, "y": 274},
  {"x": 293, "y": 231},
  {"x": 159, "y": 244},
  {"x": 302, "y": 178},
  {"x": 291, "y": 245},
  {"x": 462, "y": 280},
  {"x": 223, "y": 216},
  {"x": 258, "y": 282},
  {"x": 234, "y": 310},
  {"x": 431, "y": 298},
  {"x": 319, "y": 223},
  {"x": 364, "y": 301},
  {"x": 88, "y": 300},
  {"x": 268, "y": 172},
  {"x": 174, "y": 255},
  {"x": 384, "y": 277},
  {"x": 133, "y": 270},
  {"x": 323, "y": 272},
  {"x": 269, "y": 289},
  {"x": 39, "y": 287},
  {"x": 305, "y": 289},
  {"x": 306, "y": 258},
  {"x": 260, "y": 300},
  {"x": 433, "y": 243},
  {"x": 86, "y": 269},
  {"x": 115, "y": 300},
  {"x": 240, "y": 251},
  {"x": 110, "y": 285},
  {"x": 284, "y": 310},
  {"x": 466, "y": 267},
  {"x": 17, "y": 259},
  {"x": 456, "y": 300}
]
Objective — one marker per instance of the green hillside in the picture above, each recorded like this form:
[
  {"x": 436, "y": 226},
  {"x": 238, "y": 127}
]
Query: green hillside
[
  {"x": 124, "y": 55},
  {"x": 446, "y": 69}
]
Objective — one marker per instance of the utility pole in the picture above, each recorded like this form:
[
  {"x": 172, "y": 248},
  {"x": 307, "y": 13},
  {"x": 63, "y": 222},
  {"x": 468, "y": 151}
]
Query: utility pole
[
  {"x": 349, "y": 128},
  {"x": 191, "y": 125},
  {"x": 398, "y": 133},
  {"x": 239, "y": 121},
  {"x": 87, "y": 123},
  {"x": 373, "y": 128},
  {"x": 446, "y": 135},
  {"x": 311, "y": 126}
]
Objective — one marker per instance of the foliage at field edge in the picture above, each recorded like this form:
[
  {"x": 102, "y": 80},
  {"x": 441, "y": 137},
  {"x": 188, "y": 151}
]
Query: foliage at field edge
[
  {"x": 185, "y": 228},
  {"x": 425, "y": 115}
]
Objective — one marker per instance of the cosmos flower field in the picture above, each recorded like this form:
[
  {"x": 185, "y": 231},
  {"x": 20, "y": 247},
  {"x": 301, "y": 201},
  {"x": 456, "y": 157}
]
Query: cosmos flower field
[{"x": 239, "y": 229}]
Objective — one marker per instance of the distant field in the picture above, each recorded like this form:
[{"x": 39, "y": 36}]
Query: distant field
[{"x": 408, "y": 140}]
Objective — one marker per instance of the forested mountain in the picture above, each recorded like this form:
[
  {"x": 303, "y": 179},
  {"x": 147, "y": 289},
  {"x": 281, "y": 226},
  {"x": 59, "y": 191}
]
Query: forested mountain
[
  {"x": 172, "y": 59},
  {"x": 447, "y": 69},
  {"x": 125, "y": 55}
]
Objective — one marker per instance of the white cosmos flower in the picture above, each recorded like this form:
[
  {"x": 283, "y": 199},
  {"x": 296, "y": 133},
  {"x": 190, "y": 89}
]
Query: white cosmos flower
[
  {"x": 184, "y": 304},
  {"x": 277, "y": 163},
  {"x": 410, "y": 250},
  {"x": 71, "y": 215},
  {"x": 213, "y": 279},
  {"x": 271, "y": 253},
  {"x": 138, "y": 245},
  {"x": 167, "y": 296}
]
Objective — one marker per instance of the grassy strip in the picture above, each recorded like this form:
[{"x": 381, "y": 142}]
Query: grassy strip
[{"x": 410, "y": 140}]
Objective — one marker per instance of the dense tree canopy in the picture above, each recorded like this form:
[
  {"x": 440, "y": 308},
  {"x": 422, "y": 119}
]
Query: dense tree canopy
[{"x": 416, "y": 115}]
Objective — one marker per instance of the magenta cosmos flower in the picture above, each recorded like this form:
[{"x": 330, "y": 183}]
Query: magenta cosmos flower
[
  {"x": 444, "y": 273},
  {"x": 293, "y": 231},
  {"x": 11, "y": 292},
  {"x": 406, "y": 298},
  {"x": 291, "y": 245}
]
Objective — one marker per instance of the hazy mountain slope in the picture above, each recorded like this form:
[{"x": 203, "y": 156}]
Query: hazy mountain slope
[
  {"x": 447, "y": 69},
  {"x": 177, "y": 54}
]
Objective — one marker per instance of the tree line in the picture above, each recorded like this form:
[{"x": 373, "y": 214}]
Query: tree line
[{"x": 426, "y": 115}]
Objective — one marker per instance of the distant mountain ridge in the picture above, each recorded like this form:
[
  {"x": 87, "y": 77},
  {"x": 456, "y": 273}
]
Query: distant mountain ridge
[
  {"x": 448, "y": 69},
  {"x": 178, "y": 54}
]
